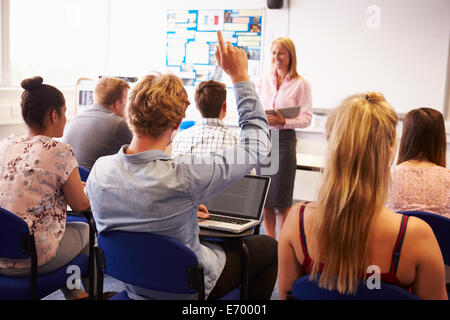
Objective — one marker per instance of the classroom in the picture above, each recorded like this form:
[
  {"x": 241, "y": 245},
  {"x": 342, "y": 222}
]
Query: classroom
[{"x": 128, "y": 126}]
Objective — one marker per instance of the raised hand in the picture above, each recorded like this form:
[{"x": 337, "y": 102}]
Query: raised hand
[{"x": 233, "y": 60}]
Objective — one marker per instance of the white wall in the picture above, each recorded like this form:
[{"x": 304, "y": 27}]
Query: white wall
[{"x": 406, "y": 58}]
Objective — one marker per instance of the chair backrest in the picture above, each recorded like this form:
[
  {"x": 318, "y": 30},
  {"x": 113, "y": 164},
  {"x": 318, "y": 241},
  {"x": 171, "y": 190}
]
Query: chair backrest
[
  {"x": 441, "y": 229},
  {"x": 84, "y": 173},
  {"x": 303, "y": 289},
  {"x": 186, "y": 124},
  {"x": 13, "y": 233},
  {"x": 150, "y": 261}
]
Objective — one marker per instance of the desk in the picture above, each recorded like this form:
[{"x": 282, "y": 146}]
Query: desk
[
  {"x": 310, "y": 162},
  {"x": 209, "y": 234}
]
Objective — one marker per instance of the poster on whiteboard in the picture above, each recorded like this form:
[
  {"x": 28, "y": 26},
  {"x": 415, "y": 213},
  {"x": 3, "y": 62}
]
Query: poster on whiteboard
[{"x": 192, "y": 39}]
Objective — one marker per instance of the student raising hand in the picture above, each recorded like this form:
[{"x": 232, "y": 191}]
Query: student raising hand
[{"x": 233, "y": 60}]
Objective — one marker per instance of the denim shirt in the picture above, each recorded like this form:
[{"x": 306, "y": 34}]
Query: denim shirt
[{"x": 151, "y": 192}]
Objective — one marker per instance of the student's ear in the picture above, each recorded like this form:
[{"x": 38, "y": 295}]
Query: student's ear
[
  {"x": 223, "y": 111},
  {"x": 116, "y": 106},
  {"x": 53, "y": 116}
]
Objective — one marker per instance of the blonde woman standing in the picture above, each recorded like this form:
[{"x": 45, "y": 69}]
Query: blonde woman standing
[
  {"x": 283, "y": 88},
  {"x": 349, "y": 228}
]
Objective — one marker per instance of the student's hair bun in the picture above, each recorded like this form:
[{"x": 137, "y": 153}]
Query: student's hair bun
[{"x": 32, "y": 83}]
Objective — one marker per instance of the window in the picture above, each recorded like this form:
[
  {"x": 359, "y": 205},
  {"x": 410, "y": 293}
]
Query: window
[
  {"x": 58, "y": 40},
  {"x": 64, "y": 40}
]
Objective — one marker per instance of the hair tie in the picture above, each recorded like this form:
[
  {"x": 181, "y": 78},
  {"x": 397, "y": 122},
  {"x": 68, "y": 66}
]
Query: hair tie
[{"x": 368, "y": 98}]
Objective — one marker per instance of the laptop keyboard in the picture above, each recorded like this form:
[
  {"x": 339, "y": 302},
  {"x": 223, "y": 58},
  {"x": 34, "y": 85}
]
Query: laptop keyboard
[{"x": 227, "y": 219}]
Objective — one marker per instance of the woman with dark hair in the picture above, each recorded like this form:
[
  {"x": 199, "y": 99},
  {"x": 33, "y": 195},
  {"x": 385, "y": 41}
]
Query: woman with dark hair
[
  {"x": 38, "y": 179},
  {"x": 420, "y": 180}
]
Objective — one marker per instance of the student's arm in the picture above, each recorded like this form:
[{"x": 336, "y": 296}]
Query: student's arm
[
  {"x": 289, "y": 268},
  {"x": 74, "y": 192},
  {"x": 208, "y": 176},
  {"x": 430, "y": 272}
]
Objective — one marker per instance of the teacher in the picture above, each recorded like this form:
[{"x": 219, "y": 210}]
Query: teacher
[{"x": 283, "y": 88}]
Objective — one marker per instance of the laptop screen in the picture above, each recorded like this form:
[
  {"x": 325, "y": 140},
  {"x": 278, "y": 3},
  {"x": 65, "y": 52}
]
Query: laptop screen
[{"x": 245, "y": 198}]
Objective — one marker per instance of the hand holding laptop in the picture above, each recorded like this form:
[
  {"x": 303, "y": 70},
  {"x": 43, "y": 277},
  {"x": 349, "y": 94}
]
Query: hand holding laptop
[
  {"x": 278, "y": 116},
  {"x": 275, "y": 118}
]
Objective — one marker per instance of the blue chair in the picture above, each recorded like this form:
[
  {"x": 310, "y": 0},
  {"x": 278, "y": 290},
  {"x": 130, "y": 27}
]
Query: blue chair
[
  {"x": 304, "y": 289},
  {"x": 18, "y": 243},
  {"x": 84, "y": 173},
  {"x": 153, "y": 262},
  {"x": 441, "y": 229},
  {"x": 186, "y": 124},
  {"x": 72, "y": 216}
]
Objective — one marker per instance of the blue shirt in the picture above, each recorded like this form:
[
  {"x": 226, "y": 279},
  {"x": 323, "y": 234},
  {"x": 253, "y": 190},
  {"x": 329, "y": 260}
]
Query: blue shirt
[{"x": 151, "y": 192}]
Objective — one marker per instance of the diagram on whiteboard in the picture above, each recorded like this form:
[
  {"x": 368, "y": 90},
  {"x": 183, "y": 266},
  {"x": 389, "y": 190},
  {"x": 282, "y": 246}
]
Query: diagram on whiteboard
[{"x": 192, "y": 40}]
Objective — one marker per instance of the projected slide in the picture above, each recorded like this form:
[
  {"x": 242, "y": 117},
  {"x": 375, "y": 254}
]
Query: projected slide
[{"x": 191, "y": 42}]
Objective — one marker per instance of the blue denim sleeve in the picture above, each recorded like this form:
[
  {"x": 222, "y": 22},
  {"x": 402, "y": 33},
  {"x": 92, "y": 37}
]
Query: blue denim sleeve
[{"x": 206, "y": 177}]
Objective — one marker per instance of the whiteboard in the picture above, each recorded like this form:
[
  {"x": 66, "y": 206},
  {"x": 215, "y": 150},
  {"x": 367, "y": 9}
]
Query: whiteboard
[{"x": 343, "y": 48}]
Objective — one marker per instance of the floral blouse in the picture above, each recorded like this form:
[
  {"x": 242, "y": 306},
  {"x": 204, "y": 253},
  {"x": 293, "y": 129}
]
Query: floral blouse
[
  {"x": 32, "y": 173},
  {"x": 424, "y": 189}
]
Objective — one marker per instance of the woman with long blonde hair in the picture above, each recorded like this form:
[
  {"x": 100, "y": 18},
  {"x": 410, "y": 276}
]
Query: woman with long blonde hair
[{"x": 349, "y": 229}]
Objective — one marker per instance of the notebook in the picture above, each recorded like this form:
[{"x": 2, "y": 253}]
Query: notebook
[{"x": 239, "y": 207}]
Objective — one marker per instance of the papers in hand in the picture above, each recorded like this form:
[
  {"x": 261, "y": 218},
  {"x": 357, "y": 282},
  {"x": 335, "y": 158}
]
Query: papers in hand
[{"x": 290, "y": 112}]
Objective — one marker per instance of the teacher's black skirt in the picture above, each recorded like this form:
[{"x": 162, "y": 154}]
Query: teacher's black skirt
[{"x": 282, "y": 182}]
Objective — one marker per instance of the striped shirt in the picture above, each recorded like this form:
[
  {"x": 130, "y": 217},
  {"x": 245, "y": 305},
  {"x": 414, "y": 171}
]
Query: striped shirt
[{"x": 206, "y": 137}]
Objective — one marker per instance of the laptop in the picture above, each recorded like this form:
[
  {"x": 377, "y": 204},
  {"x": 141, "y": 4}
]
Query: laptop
[{"x": 239, "y": 207}]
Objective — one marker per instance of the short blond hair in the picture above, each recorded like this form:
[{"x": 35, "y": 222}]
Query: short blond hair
[
  {"x": 109, "y": 90},
  {"x": 156, "y": 104},
  {"x": 289, "y": 45}
]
